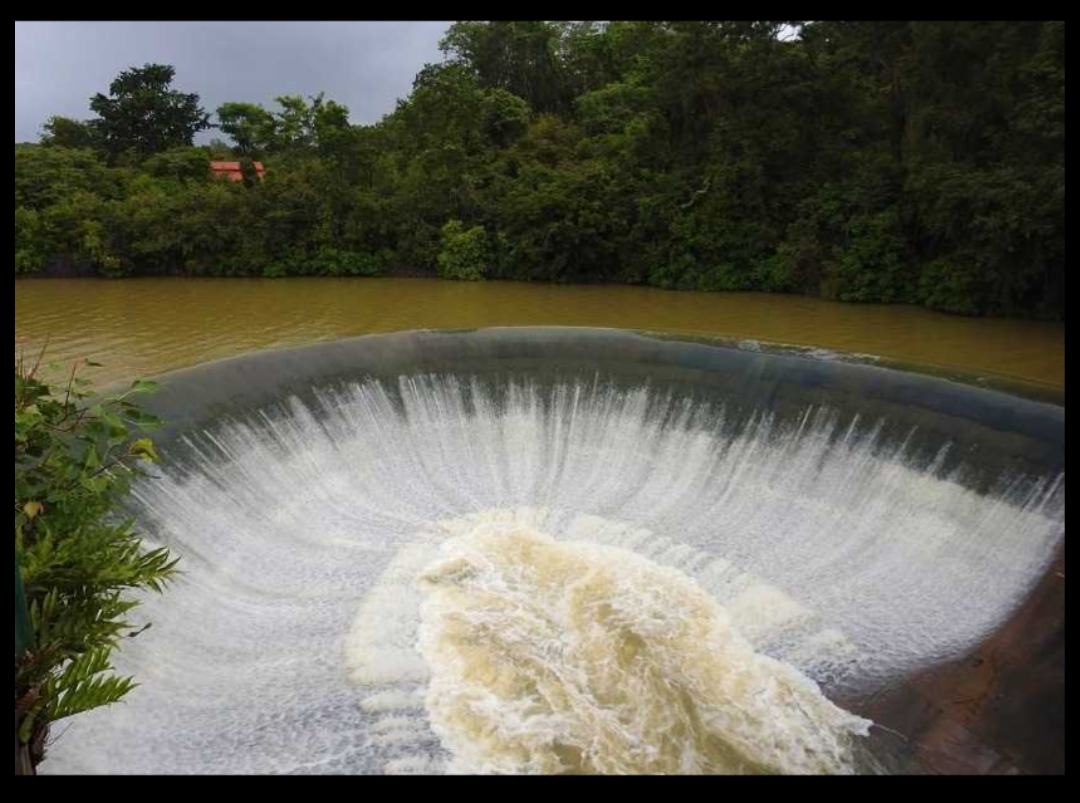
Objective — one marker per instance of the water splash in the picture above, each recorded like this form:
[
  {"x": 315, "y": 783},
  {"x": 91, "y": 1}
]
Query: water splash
[
  {"x": 832, "y": 547},
  {"x": 552, "y": 657}
]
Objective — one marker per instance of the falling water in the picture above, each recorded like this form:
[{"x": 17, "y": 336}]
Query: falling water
[{"x": 335, "y": 548}]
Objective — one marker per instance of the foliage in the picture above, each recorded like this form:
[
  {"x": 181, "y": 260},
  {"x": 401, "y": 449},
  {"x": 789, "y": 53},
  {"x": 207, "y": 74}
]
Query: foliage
[
  {"x": 29, "y": 256},
  {"x": 142, "y": 112},
  {"x": 75, "y": 458},
  {"x": 465, "y": 253},
  {"x": 329, "y": 261},
  {"x": 63, "y": 132},
  {"x": 249, "y": 125},
  {"x": 912, "y": 162}
]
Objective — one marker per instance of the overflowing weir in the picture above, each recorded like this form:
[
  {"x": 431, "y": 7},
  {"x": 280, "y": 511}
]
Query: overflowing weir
[{"x": 564, "y": 551}]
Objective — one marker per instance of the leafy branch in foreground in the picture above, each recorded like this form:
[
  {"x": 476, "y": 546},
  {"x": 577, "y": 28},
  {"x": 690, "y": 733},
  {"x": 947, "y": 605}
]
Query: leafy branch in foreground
[{"x": 76, "y": 559}]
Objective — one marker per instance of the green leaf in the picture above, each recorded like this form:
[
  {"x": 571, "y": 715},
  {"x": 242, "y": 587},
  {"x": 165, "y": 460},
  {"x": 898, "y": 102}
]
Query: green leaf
[
  {"x": 144, "y": 386},
  {"x": 144, "y": 449}
]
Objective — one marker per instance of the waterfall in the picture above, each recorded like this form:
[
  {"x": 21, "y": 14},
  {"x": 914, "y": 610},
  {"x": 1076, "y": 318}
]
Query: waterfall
[{"x": 823, "y": 541}]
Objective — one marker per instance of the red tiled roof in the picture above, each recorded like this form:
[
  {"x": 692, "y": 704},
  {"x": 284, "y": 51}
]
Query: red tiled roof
[{"x": 231, "y": 170}]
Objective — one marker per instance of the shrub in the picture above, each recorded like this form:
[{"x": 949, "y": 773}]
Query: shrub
[
  {"x": 466, "y": 253},
  {"x": 76, "y": 558}
]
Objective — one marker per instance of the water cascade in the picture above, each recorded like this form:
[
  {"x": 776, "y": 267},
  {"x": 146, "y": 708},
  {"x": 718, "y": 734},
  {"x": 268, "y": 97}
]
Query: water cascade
[{"x": 564, "y": 551}]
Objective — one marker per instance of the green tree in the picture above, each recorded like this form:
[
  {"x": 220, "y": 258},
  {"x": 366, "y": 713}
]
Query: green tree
[
  {"x": 63, "y": 132},
  {"x": 45, "y": 176},
  {"x": 182, "y": 164},
  {"x": 520, "y": 57},
  {"x": 465, "y": 253},
  {"x": 80, "y": 226},
  {"x": 31, "y": 242},
  {"x": 871, "y": 161},
  {"x": 250, "y": 126},
  {"x": 143, "y": 113}
]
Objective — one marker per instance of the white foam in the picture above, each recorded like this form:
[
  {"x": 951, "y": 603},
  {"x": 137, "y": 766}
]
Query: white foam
[
  {"x": 392, "y": 700},
  {"x": 557, "y": 657},
  {"x": 300, "y": 530}
]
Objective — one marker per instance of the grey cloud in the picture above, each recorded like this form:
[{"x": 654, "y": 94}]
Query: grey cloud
[{"x": 365, "y": 65}]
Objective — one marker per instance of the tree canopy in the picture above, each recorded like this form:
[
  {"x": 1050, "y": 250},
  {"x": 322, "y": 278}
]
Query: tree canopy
[
  {"x": 142, "y": 112},
  {"x": 909, "y": 162}
]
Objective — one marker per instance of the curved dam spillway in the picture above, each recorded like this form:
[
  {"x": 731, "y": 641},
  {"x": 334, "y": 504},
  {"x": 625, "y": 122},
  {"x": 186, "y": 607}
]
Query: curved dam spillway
[{"x": 562, "y": 550}]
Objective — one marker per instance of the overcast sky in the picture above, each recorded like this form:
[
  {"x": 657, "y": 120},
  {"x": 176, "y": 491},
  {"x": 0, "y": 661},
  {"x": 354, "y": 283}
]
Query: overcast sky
[{"x": 365, "y": 65}]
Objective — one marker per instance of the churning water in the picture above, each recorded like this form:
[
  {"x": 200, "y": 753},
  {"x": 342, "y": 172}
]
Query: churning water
[{"x": 436, "y": 576}]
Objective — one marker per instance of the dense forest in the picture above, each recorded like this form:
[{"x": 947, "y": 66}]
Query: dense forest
[{"x": 914, "y": 162}]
